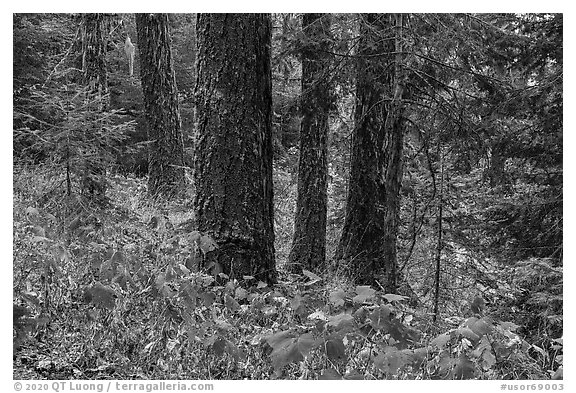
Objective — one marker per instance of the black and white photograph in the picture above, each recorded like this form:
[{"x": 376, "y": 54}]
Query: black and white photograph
[{"x": 204, "y": 197}]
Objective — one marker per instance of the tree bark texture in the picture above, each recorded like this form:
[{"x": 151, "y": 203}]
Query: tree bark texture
[
  {"x": 166, "y": 154},
  {"x": 439, "y": 245},
  {"x": 496, "y": 171},
  {"x": 233, "y": 146},
  {"x": 93, "y": 37},
  {"x": 309, "y": 241},
  {"x": 367, "y": 246}
]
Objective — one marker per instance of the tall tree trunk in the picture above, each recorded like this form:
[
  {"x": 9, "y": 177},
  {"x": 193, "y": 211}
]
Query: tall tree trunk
[
  {"x": 367, "y": 245},
  {"x": 166, "y": 154},
  {"x": 439, "y": 244},
  {"x": 93, "y": 36},
  {"x": 233, "y": 147},
  {"x": 309, "y": 242},
  {"x": 393, "y": 149}
]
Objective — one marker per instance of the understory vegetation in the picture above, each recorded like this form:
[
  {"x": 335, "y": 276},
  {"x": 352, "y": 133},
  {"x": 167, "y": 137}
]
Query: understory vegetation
[{"x": 118, "y": 294}]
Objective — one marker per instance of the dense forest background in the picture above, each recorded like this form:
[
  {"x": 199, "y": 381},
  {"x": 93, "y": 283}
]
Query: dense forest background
[{"x": 301, "y": 196}]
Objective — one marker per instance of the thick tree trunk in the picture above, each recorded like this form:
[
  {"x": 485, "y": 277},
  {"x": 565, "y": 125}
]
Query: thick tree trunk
[
  {"x": 367, "y": 245},
  {"x": 166, "y": 154},
  {"x": 93, "y": 37},
  {"x": 233, "y": 147},
  {"x": 309, "y": 242}
]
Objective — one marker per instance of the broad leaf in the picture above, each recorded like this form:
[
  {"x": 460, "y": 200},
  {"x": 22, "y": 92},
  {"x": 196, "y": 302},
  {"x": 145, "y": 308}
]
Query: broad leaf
[
  {"x": 207, "y": 244},
  {"x": 285, "y": 349},
  {"x": 170, "y": 273},
  {"x": 279, "y": 339},
  {"x": 484, "y": 345},
  {"x": 261, "y": 284},
  {"x": 193, "y": 262},
  {"x": 394, "y": 298},
  {"x": 163, "y": 287},
  {"x": 207, "y": 298},
  {"x": 477, "y": 305},
  {"x": 337, "y": 297},
  {"x": 441, "y": 341},
  {"x": 341, "y": 320},
  {"x": 222, "y": 326},
  {"x": 297, "y": 303},
  {"x": 510, "y": 326},
  {"x": 188, "y": 295},
  {"x": 391, "y": 360},
  {"x": 240, "y": 293},
  {"x": 214, "y": 268},
  {"x": 402, "y": 334},
  {"x": 364, "y": 292},
  {"x": 329, "y": 374},
  {"x": 219, "y": 346},
  {"x": 123, "y": 278},
  {"x": 446, "y": 364},
  {"x": 39, "y": 231},
  {"x": 194, "y": 236},
  {"x": 468, "y": 333},
  {"x": 230, "y": 303},
  {"x": 335, "y": 349},
  {"x": 481, "y": 327},
  {"x": 233, "y": 350},
  {"x": 464, "y": 368},
  {"x": 101, "y": 296},
  {"x": 470, "y": 321},
  {"x": 361, "y": 313},
  {"x": 380, "y": 318},
  {"x": 40, "y": 239},
  {"x": 488, "y": 359},
  {"x": 419, "y": 356},
  {"x": 32, "y": 211},
  {"x": 313, "y": 277},
  {"x": 306, "y": 343}
]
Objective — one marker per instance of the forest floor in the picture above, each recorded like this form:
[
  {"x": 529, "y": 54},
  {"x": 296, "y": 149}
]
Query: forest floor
[{"x": 116, "y": 294}]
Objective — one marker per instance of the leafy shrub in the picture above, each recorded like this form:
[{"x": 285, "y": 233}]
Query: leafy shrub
[
  {"x": 136, "y": 287},
  {"x": 535, "y": 295}
]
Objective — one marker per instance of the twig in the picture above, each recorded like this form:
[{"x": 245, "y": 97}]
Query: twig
[{"x": 61, "y": 61}]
